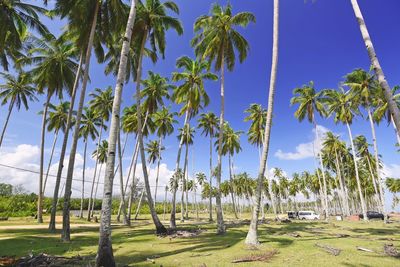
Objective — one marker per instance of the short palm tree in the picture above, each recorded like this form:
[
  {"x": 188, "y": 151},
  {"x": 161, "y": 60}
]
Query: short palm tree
[
  {"x": 15, "y": 91},
  {"x": 217, "y": 40},
  {"x": 208, "y": 122}
]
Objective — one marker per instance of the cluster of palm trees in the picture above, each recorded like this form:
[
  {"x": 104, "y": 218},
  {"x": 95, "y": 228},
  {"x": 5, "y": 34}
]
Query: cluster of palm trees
[{"x": 120, "y": 36}]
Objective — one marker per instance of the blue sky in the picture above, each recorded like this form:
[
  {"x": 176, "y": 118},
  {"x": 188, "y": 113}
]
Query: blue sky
[{"x": 319, "y": 41}]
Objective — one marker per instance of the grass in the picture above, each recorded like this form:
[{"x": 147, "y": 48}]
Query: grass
[{"x": 135, "y": 245}]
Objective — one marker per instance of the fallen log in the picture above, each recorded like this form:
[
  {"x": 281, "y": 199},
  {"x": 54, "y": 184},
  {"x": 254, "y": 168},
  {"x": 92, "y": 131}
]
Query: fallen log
[
  {"x": 263, "y": 257},
  {"x": 333, "y": 251}
]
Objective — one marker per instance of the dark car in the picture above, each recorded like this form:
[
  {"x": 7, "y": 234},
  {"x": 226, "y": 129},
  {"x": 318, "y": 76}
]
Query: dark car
[
  {"x": 373, "y": 215},
  {"x": 293, "y": 214}
]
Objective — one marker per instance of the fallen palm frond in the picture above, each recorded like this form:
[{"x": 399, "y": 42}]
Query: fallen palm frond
[
  {"x": 264, "y": 257},
  {"x": 333, "y": 251},
  {"x": 390, "y": 250}
]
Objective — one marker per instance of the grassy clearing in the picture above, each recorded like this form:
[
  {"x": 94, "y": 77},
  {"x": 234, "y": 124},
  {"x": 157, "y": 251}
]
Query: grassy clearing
[{"x": 135, "y": 245}]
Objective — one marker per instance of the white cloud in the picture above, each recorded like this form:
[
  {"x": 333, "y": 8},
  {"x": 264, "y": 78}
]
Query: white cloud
[
  {"x": 304, "y": 150},
  {"x": 391, "y": 170}
]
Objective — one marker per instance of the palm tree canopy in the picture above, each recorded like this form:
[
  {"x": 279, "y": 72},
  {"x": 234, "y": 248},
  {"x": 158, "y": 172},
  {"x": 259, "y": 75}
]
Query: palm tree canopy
[
  {"x": 341, "y": 104},
  {"x": 156, "y": 89},
  {"x": 363, "y": 86},
  {"x": 17, "y": 90},
  {"x": 90, "y": 123},
  {"x": 258, "y": 117},
  {"x": 201, "y": 178},
  {"x": 164, "y": 122},
  {"x": 130, "y": 121},
  {"x": 153, "y": 150},
  {"x": 217, "y": 37},
  {"x": 102, "y": 102},
  {"x": 101, "y": 152},
  {"x": 230, "y": 141},
  {"x": 209, "y": 124},
  {"x": 188, "y": 135},
  {"x": 57, "y": 118}
]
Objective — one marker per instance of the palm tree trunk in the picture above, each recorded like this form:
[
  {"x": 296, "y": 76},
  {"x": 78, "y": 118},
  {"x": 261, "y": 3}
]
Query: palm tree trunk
[
  {"x": 105, "y": 255},
  {"x": 83, "y": 179},
  {"x": 10, "y": 108},
  {"x": 186, "y": 188},
  {"x": 231, "y": 187},
  {"x": 172, "y": 221},
  {"x": 139, "y": 205},
  {"x": 220, "y": 218},
  {"x": 196, "y": 204},
  {"x": 378, "y": 174},
  {"x": 121, "y": 179},
  {"x": 132, "y": 186},
  {"x": 395, "y": 130},
  {"x": 40, "y": 195},
  {"x": 95, "y": 192},
  {"x": 52, "y": 224},
  {"x": 160, "y": 229},
  {"x": 158, "y": 169},
  {"x": 394, "y": 110},
  {"x": 252, "y": 237},
  {"x": 165, "y": 202},
  {"x": 51, "y": 159},
  {"x": 210, "y": 219},
  {"x": 363, "y": 208},
  {"x": 342, "y": 190},
  {"x": 271, "y": 193},
  {"x": 66, "y": 231},
  {"x": 184, "y": 182}
]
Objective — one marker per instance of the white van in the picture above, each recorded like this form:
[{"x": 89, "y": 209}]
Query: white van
[{"x": 308, "y": 215}]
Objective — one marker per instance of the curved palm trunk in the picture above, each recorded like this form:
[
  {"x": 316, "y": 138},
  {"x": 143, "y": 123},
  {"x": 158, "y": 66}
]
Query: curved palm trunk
[
  {"x": 394, "y": 110},
  {"x": 160, "y": 229},
  {"x": 343, "y": 196},
  {"x": 158, "y": 170},
  {"x": 184, "y": 182},
  {"x": 132, "y": 186},
  {"x": 121, "y": 179},
  {"x": 40, "y": 195},
  {"x": 105, "y": 255},
  {"x": 395, "y": 130},
  {"x": 52, "y": 224},
  {"x": 210, "y": 219},
  {"x": 139, "y": 205},
  {"x": 363, "y": 207},
  {"x": 231, "y": 187},
  {"x": 172, "y": 222},
  {"x": 66, "y": 231},
  {"x": 220, "y": 217},
  {"x": 165, "y": 202},
  {"x": 83, "y": 179},
  {"x": 95, "y": 192},
  {"x": 252, "y": 237},
  {"x": 378, "y": 174},
  {"x": 10, "y": 108},
  {"x": 51, "y": 159},
  {"x": 187, "y": 192}
]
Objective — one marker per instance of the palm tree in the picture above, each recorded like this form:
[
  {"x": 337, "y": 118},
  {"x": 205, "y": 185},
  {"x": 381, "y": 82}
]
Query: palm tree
[
  {"x": 15, "y": 91},
  {"x": 164, "y": 121},
  {"x": 394, "y": 109},
  {"x": 192, "y": 95},
  {"x": 310, "y": 102},
  {"x": 54, "y": 56},
  {"x": 344, "y": 107},
  {"x": 89, "y": 125},
  {"x": 16, "y": 17},
  {"x": 201, "y": 180},
  {"x": 217, "y": 40},
  {"x": 208, "y": 122},
  {"x": 252, "y": 237}
]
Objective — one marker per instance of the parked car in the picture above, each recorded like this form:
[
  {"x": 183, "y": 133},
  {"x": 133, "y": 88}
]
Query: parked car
[
  {"x": 308, "y": 215},
  {"x": 293, "y": 214},
  {"x": 373, "y": 215}
]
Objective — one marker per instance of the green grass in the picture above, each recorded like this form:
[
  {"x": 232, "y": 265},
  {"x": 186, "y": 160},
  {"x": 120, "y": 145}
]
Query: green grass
[{"x": 133, "y": 246}]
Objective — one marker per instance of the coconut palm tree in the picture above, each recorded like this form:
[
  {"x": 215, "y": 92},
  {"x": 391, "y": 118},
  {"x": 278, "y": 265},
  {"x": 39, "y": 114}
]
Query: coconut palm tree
[
  {"x": 16, "y": 17},
  {"x": 208, "y": 122},
  {"x": 164, "y": 122},
  {"x": 201, "y": 179},
  {"x": 394, "y": 109},
  {"x": 191, "y": 93},
  {"x": 252, "y": 237},
  {"x": 311, "y": 102},
  {"x": 217, "y": 40},
  {"x": 56, "y": 57},
  {"x": 100, "y": 154},
  {"x": 344, "y": 107},
  {"x": 90, "y": 124},
  {"x": 15, "y": 91}
]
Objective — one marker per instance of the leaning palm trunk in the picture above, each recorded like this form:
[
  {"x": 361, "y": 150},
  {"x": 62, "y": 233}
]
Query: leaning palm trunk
[
  {"x": 231, "y": 187},
  {"x": 220, "y": 217},
  {"x": 40, "y": 195},
  {"x": 52, "y": 224},
  {"x": 252, "y": 237},
  {"x": 121, "y": 179},
  {"x": 158, "y": 169},
  {"x": 66, "y": 231},
  {"x": 83, "y": 179},
  {"x": 378, "y": 174},
  {"x": 271, "y": 193},
  {"x": 50, "y": 160},
  {"x": 160, "y": 229},
  {"x": 139, "y": 205},
  {"x": 394, "y": 110},
  {"x": 132, "y": 186},
  {"x": 105, "y": 255},
  {"x": 10, "y": 108},
  {"x": 363, "y": 208},
  {"x": 165, "y": 202},
  {"x": 172, "y": 222},
  {"x": 343, "y": 196},
  {"x": 211, "y": 174},
  {"x": 95, "y": 192},
  {"x": 395, "y": 130},
  {"x": 185, "y": 167}
]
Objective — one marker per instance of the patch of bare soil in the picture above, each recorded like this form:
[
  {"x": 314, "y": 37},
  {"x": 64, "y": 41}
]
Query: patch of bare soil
[
  {"x": 263, "y": 257},
  {"x": 43, "y": 259}
]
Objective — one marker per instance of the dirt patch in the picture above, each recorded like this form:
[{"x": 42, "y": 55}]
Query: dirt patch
[
  {"x": 263, "y": 257},
  {"x": 43, "y": 259}
]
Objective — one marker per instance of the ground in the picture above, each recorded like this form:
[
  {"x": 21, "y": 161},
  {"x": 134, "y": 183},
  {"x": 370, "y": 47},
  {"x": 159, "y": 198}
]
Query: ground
[{"x": 139, "y": 246}]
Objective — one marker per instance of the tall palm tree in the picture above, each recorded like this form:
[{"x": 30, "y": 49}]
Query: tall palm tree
[
  {"x": 201, "y": 179},
  {"x": 15, "y": 91},
  {"x": 208, "y": 122},
  {"x": 56, "y": 57},
  {"x": 16, "y": 17},
  {"x": 164, "y": 122},
  {"x": 90, "y": 124},
  {"x": 365, "y": 88},
  {"x": 217, "y": 40},
  {"x": 252, "y": 237},
  {"x": 310, "y": 102},
  {"x": 394, "y": 109},
  {"x": 344, "y": 107},
  {"x": 191, "y": 93}
]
